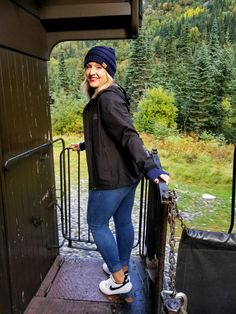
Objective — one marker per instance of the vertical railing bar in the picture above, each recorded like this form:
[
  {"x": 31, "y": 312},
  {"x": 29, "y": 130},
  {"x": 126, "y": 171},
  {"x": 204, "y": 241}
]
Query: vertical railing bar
[
  {"x": 60, "y": 207},
  {"x": 233, "y": 193},
  {"x": 140, "y": 215},
  {"x": 145, "y": 215},
  {"x": 69, "y": 196},
  {"x": 88, "y": 234},
  {"x": 62, "y": 195},
  {"x": 79, "y": 229},
  {"x": 65, "y": 192}
]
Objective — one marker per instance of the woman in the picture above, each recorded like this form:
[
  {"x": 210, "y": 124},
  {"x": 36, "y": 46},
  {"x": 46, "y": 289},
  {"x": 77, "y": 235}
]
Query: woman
[{"x": 116, "y": 159}]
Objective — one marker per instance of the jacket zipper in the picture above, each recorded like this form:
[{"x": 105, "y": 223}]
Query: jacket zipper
[{"x": 90, "y": 163}]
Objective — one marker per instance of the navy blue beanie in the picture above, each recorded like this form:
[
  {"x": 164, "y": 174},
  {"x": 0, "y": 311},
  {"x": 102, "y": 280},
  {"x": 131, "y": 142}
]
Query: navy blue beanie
[{"x": 104, "y": 56}]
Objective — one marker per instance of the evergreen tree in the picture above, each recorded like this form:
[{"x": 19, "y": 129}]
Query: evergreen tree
[
  {"x": 150, "y": 57},
  {"x": 184, "y": 44},
  {"x": 75, "y": 74},
  {"x": 214, "y": 43},
  {"x": 53, "y": 76},
  {"x": 164, "y": 70},
  {"x": 194, "y": 57},
  {"x": 229, "y": 70},
  {"x": 229, "y": 127},
  {"x": 182, "y": 94},
  {"x": 218, "y": 79},
  {"x": 200, "y": 91},
  {"x": 138, "y": 73},
  {"x": 170, "y": 52},
  {"x": 62, "y": 72},
  {"x": 160, "y": 74}
]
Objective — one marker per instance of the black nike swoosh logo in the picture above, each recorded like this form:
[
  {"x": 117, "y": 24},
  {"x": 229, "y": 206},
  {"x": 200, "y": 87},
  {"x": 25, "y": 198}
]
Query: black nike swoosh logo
[
  {"x": 122, "y": 285},
  {"x": 115, "y": 288}
]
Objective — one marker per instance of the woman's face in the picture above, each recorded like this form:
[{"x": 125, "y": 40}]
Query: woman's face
[{"x": 95, "y": 74}]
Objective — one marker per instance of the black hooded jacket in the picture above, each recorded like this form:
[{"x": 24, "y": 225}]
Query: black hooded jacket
[{"x": 116, "y": 156}]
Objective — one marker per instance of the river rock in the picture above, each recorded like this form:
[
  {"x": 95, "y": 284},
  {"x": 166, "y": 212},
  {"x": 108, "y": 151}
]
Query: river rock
[{"x": 208, "y": 197}]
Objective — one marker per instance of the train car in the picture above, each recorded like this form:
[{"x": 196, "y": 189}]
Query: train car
[
  {"x": 34, "y": 276},
  {"x": 29, "y": 239}
]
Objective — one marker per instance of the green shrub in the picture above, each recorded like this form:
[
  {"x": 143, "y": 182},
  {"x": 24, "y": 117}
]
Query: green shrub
[
  {"x": 156, "y": 112},
  {"x": 67, "y": 115},
  {"x": 162, "y": 132},
  {"x": 209, "y": 137}
]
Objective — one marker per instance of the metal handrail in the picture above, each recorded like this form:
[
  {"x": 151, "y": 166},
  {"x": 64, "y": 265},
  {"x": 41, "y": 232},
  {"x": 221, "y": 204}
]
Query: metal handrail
[
  {"x": 66, "y": 208},
  {"x": 233, "y": 193},
  {"x": 145, "y": 209},
  {"x": 31, "y": 152}
]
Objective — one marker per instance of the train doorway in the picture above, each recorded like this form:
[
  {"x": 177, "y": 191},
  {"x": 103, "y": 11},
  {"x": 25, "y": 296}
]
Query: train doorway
[{"x": 73, "y": 279}]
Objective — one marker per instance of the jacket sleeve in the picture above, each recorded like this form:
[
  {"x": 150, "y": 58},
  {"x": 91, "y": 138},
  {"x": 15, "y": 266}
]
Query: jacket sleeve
[{"x": 116, "y": 120}]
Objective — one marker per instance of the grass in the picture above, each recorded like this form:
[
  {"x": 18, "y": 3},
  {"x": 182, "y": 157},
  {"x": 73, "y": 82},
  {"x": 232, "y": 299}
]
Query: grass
[{"x": 196, "y": 168}]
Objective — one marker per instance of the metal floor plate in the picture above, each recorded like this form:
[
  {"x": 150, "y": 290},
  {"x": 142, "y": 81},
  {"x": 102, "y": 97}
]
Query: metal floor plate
[{"x": 71, "y": 286}]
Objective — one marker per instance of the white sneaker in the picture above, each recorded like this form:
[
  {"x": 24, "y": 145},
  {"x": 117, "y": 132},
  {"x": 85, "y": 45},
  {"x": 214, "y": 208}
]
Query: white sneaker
[
  {"x": 106, "y": 269},
  {"x": 110, "y": 287}
]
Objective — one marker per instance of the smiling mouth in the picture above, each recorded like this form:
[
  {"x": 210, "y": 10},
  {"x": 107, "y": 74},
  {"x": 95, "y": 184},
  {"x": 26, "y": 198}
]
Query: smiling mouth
[{"x": 93, "y": 80}]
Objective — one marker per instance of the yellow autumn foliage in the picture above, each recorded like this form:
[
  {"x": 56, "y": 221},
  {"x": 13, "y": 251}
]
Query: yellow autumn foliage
[{"x": 193, "y": 12}]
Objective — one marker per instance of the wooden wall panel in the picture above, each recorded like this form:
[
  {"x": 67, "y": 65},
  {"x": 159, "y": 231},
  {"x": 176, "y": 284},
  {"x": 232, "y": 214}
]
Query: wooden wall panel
[
  {"x": 25, "y": 120},
  {"x": 22, "y": 31},
  {"x": 29, "y": 182},
  {"x": 5, "y": 302}
]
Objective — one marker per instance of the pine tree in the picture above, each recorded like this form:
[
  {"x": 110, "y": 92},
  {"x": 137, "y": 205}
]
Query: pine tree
[
  {"x": 182, "y": 93},
  {"x": 218, "y": 79},
  {"x": 170, "y": 50},
  {"x": 160, "y": 74},
  {"x": 230, "y": 92},
  {"x": 214, "y": 43},
  {"x": 63, "y": 78},
  {"x": 138, "y": 71},
  {"x": 181, "y": 77},
  {"x": 200, "y": 91},
  {"x": 184, "y": 44}
]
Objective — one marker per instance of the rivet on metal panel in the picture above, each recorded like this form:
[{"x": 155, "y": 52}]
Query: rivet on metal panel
[{"x": 37, "y": 221}]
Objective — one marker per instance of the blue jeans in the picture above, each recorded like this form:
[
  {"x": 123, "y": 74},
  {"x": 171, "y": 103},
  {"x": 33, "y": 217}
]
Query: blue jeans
[{"x": 116, "y": 203}]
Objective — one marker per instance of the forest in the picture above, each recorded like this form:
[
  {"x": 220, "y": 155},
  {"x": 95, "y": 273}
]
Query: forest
[{"x": 180, "y": 73}]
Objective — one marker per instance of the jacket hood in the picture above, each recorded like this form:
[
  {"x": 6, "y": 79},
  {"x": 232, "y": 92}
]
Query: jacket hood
[{"x": 120, "y": 91}]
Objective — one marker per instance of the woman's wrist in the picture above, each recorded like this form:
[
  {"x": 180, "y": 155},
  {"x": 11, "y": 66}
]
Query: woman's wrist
[{"x": 155, "y": 173}]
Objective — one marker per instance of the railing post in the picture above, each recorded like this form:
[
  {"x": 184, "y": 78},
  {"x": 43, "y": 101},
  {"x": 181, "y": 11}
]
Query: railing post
[
  {"x": 156, "y": 229},
  {"x": 161, "y": 259}
]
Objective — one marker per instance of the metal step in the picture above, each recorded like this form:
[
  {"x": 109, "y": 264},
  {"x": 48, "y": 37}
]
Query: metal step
[{"x": 71, "y": 286}]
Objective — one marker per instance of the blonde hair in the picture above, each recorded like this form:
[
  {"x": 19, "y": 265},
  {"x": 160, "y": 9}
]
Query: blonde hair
[{"x": 91, "y": 92}]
